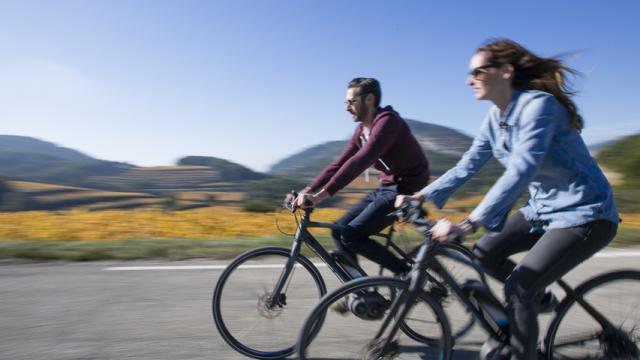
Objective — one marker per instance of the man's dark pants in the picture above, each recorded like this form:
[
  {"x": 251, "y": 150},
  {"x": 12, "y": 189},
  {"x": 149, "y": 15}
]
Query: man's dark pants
[{"x": 369, "y": 217}]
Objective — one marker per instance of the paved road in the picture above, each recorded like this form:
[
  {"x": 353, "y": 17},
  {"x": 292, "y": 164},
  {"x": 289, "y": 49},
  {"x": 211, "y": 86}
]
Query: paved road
[{"x": 84, "y": 311}]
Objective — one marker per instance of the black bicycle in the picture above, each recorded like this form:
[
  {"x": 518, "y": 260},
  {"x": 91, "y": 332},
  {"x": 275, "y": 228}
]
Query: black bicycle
[
  {"x": 599, "y": 319},
  {"x": 259, "y": 312}
]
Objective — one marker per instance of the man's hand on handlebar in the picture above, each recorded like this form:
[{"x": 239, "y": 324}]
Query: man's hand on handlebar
[
  {"x": 306, "y": 200},
  {"x": 402, "y": 199},
  {"x": 409, "y": 208}
]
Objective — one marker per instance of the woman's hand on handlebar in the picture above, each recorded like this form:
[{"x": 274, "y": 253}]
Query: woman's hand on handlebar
[{"x": 444, "y": 230}]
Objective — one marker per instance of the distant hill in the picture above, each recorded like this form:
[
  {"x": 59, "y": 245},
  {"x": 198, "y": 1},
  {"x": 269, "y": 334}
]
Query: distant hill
[
  {"x": 29, "y": 159},
  {"x": 623, "y": 157},
  {"x": 443, "y": 147},
  {"x": 24, "y": 144},
  {"x": 39, "y": 175},
  {"x": 25, "y": 158},
  {"x": 227, "y": 170}
]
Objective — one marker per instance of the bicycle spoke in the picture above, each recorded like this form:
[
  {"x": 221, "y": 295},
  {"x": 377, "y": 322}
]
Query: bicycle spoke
[
  {"x": 577, "y": 339},
  {"x": 408, "y": 318},
  {"x": 577, "y": 334}
]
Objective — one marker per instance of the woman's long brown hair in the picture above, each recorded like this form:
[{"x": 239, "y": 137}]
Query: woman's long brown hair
[{"x": 532, "y": 72}]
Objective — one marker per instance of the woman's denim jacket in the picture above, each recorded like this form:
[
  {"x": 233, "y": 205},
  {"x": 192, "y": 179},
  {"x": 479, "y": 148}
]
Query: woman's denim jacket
[{"x": 540, "y": 151}]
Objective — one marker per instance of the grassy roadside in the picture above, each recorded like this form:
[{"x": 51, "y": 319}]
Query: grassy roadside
[{"x": 182, "y": 249}]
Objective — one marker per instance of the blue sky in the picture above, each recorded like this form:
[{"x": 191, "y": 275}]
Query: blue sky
[{"x": 148, "y": 82}]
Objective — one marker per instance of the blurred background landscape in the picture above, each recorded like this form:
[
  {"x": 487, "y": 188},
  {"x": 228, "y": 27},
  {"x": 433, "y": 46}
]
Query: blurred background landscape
[
  {"x": 172, "y": 130},
  {"x": 58, "y": 203},
  {"x": 138, "y": 132}
]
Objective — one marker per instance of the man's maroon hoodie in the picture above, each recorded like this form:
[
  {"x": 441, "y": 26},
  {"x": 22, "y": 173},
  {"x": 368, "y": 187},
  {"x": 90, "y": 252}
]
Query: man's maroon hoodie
[{"x": 391, "y": 148}]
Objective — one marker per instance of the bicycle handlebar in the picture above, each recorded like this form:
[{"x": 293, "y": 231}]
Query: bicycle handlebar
[
  {"x": 289, "y": 201},
  {"x": 411, "y": 211}
]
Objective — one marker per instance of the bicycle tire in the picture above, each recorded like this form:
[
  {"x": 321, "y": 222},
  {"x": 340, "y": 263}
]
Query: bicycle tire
[
  {"x": 262, "y": 332},
  {"x": 621, "y": 286},
  {"x": 347, "y": 336}
]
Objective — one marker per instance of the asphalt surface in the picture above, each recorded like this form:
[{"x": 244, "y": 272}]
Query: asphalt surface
[{"x": 117, "y": 310}]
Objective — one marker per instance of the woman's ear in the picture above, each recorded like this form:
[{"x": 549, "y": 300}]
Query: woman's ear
[{"x": 507, "y": 71}]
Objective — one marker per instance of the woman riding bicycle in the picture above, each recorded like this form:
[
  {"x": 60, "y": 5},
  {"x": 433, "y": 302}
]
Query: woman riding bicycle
[{"x": 533, "y": 130}]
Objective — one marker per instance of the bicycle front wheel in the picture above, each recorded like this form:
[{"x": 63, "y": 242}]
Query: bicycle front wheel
[
  {"x": 576, "y": 334},
  {"x": 241, "y": 299},
  {"x": 459, "y": 263},
  {"x": 353, "y": 315}
]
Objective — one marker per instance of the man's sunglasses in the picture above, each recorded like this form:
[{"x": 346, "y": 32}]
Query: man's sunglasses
[{"x": 355, "y": 100}]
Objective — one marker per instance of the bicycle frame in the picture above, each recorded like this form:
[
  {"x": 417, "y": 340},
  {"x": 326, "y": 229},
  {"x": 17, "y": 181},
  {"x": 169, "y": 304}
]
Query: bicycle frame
[
  {"x": 426, "y": 259},
  {"x": 302, "y": 235},
  {"x": 499, "y": 332},
  {"x": 488, "y": 324}
]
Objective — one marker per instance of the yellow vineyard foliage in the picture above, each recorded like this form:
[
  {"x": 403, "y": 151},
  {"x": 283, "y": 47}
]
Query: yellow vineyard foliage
[
  {"x": 203, "y": 223},
  {"x": 630, "y": 221}
]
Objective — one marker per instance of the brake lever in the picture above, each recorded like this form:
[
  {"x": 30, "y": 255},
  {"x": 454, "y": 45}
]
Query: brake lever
[{"x": 289, "y": 201}]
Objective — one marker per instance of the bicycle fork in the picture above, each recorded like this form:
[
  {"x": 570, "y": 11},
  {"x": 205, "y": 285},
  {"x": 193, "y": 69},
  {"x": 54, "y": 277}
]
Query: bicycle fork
[
  {"x": 401, "y": 306},
  {"x": 278, "y": 297}
]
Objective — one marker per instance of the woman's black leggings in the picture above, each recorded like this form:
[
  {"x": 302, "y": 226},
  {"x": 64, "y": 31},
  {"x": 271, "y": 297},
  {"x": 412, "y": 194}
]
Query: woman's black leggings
[{"x": 550, "y": 256}]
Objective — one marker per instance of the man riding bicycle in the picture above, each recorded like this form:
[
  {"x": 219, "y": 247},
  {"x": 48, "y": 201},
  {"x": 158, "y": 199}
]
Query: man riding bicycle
[{"x": 383, "y": 140}]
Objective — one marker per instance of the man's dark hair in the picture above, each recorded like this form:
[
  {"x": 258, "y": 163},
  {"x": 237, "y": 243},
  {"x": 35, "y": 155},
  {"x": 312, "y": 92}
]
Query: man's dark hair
[{"x": 367, "y": 86}]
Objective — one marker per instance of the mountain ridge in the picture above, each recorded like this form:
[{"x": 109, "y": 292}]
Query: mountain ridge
[{"x": 442, "y": 145}]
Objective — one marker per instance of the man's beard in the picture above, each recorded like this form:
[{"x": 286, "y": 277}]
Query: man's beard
[{"x": 361, "y": 115}]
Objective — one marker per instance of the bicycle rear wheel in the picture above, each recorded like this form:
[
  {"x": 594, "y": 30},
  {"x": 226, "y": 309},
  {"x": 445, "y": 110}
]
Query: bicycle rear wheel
[
  {"x": 575, "y": 334},
  {"x": 241, "y": 296},
  {"x": 354, "y": 313}
]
